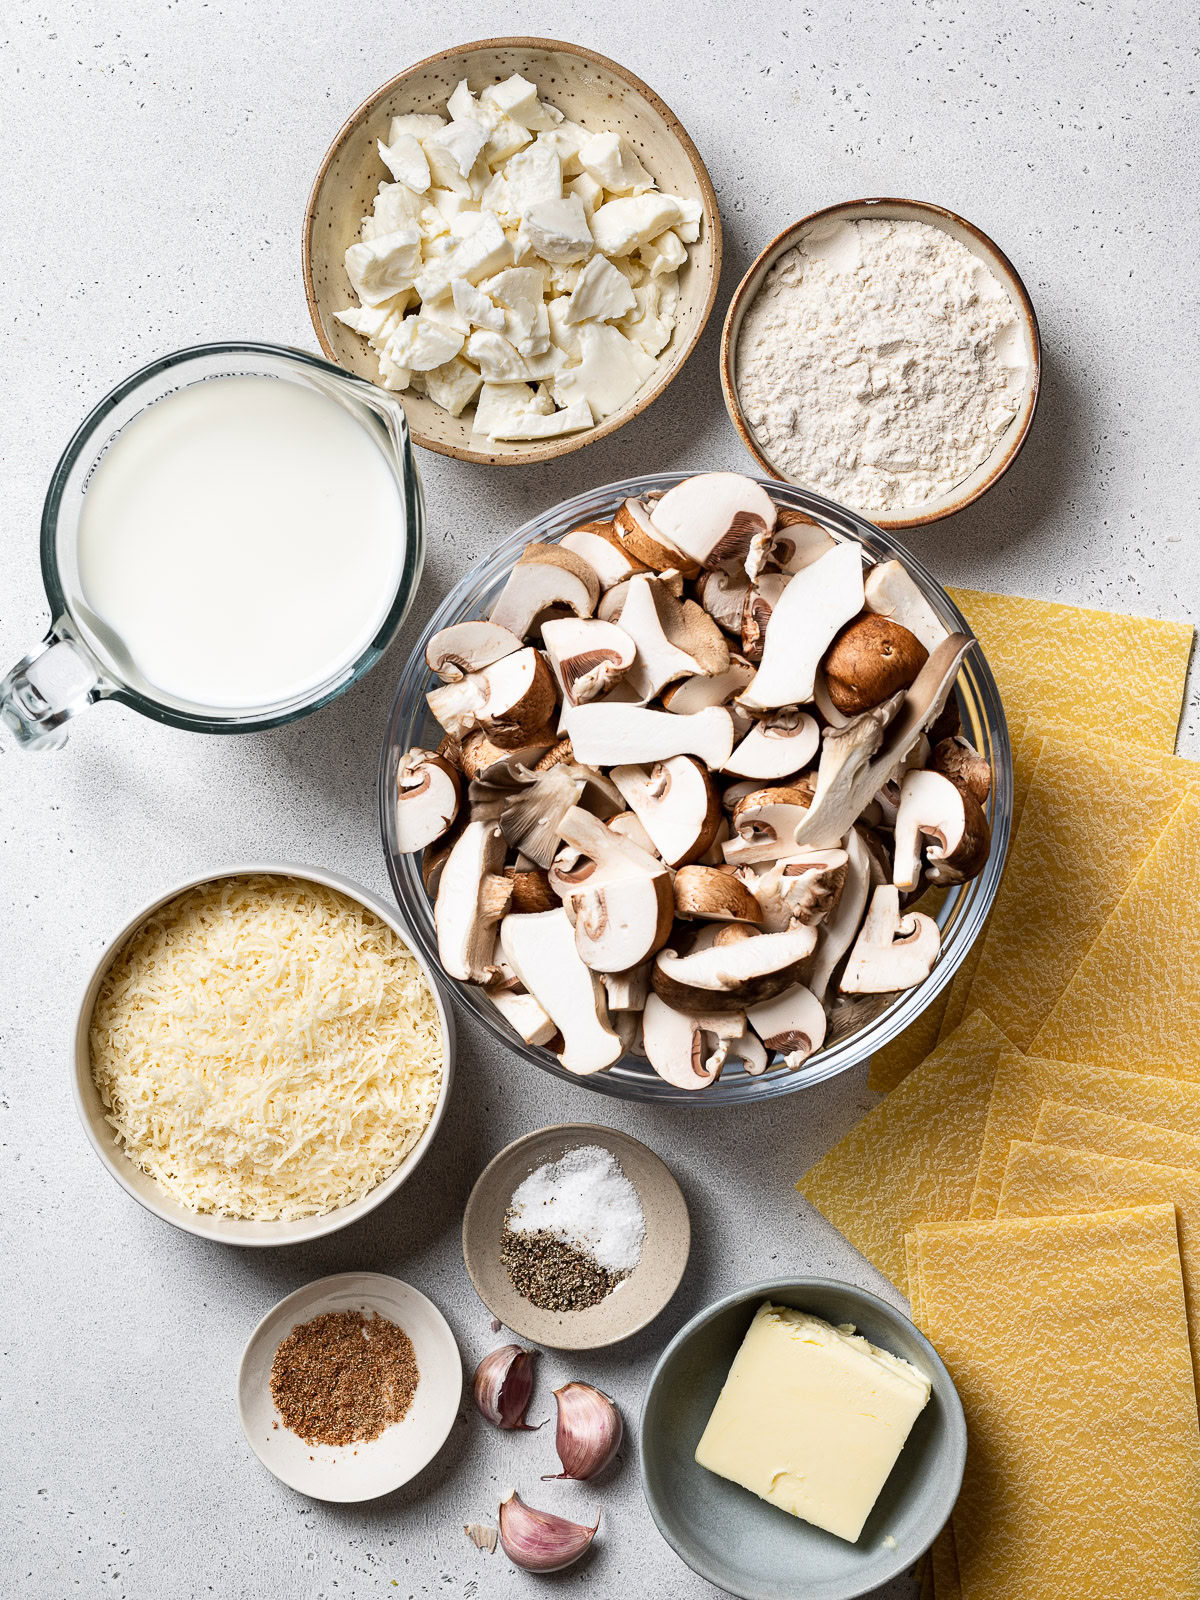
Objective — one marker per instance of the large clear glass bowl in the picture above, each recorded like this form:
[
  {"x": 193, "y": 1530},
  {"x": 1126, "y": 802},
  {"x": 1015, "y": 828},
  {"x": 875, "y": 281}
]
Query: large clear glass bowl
[{"x": 961, "y": 913}]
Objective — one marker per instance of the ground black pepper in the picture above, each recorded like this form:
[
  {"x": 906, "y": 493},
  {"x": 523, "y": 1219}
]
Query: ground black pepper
[
  {"x": 552, "y": 1275},
  {"x": 343, "y": 1377}
]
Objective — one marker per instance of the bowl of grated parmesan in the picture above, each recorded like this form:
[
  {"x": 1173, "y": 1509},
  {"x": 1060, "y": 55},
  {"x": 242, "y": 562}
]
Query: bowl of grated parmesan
[{"x": 261, "y": 1054}]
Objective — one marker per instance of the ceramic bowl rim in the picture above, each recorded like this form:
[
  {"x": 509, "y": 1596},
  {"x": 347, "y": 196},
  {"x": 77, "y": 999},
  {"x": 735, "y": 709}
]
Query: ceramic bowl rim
[{"x": 749, "y": 286}]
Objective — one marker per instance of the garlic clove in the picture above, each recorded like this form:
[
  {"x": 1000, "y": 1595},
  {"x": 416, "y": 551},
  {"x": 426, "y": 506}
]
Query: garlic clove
[
  {"x": 503, "y": 1386},
  {"x": 589, "y": 1431},
  {"x": 538, "y": 1541}
]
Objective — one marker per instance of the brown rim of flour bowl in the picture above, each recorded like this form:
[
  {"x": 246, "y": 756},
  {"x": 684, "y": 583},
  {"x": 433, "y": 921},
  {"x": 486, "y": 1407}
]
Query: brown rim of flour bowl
[
  {"x": 1007, "y": 446},
  {"x": 587, "y": 87}
]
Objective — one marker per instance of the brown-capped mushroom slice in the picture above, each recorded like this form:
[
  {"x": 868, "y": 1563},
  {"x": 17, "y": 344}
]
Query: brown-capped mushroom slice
[
  {"x": 798, "y": 542},
  {"x": 675, "y": 802},
  {"x": 793, "y": 1023},
  {"x": 628, "y": 990},
  {"x": 778, "y": 745},
  {"x": 677, "y": 1047},
  {"x": 816, "y": 603},
  {"x": 731, "y": 977},
  {"x": 546, "y": 576},
  {"x": 733, "y": 794},
  {"x": 467, "y": 647},
  {"x": 636, "y": 530},
  {"x": 962, "y": 764},
  {"x": 715, "y": 517},
  {"x": 871, "y": 659},
  {"x": 598, "y": 545},
  {"x": 837, "y": 932},
  {"x": 481, "y": 760},
  {"x": 764, "y": 824},
  {"x": 541, "y": 951},
  {"x": 427, "y": 798},
  {"x": 948, "y": 822},
  {"x": 659, "y": 660},
  {"x": 617, "y": 896},
  {"x": 606, "y": 733},
  {"x": 524, "y": 1015},
  {"x": 723, "y": 595},
  {"x": 803, "y": 888},
  {"x": 511, "y": 701},
  {"x": 890, "y": 592},
  {"x": 587, "y": 656},
  {"x": 857, "y": 760},
  {"x": 531, "y": 889},
  {"x": 472, "y": 896},
  {"x": 714, "y": 856},
  {"x": 708, "y": 894},
  {"x": 891, "y": 952},
  {"x": 758, "y": 610}
]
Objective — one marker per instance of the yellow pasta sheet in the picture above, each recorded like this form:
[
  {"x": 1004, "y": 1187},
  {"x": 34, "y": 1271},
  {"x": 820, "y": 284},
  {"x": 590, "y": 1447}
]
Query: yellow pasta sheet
[
  {"x": 1085, "y": 1128},
  {"x": 1067, "y": 1340},
  {"x": 1135, "y": 997},
  {"x": 1046, "y": 1180},
  {"x": 913, "y": 1157},
  {"x": 1022, "y": 1083},
  {"x": 1094, "y": 812}
]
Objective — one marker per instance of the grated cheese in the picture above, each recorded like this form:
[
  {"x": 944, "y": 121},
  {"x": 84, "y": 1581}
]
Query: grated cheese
[{"x": 266, "y": 1048}]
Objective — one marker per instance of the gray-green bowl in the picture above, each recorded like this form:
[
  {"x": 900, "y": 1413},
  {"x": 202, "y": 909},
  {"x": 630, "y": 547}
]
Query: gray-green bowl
[{"x": 750, "y": 1548}]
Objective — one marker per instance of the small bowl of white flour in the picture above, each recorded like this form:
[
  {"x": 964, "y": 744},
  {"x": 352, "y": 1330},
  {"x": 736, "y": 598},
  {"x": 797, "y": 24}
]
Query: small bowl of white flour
[{"x": 885, "y": 354}]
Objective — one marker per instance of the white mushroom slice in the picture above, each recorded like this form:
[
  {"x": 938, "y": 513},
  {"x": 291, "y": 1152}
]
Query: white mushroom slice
[
  {"x": 541, "y": 951},
  {"x": 658, "y": 661},
  {"x": 457, "y": 705},
  {"x": 606, "y": 733},
  {"x": 764, "y": 825},
  {"x": 730, "y": 977},
  {"x": 815, "y": 604},
  {"x": 793, "y": 1023},
  {"x": 597, "y": 544},
  {"x": 677, "y": 1047},
  {"x": 617, "y": 896},
  {"x": 427, "y": 797},
  {"x": 524, "y": 1015},
  {"x": 675, "y": 802},
  {"x": 467, "y": 647},
  {"x": 712, "y": 895},
  {"x": 839, "y": 928},
  {"x": 723, "y": 595},
  {"x": 832, "y": 717},
  {"x": 761, "y": 601},
  {"x": 776, "y": 746},
  {"x": 531, "y": 817},
  {"x": 804, "y": 888},
  {"x": 517, "y": 698},
  {"x": 891, "y": 952},
  {"x": 546, "y": 575},
  {"x": 629, "y": 990},
  {"x": 734, "y": 793},
  {"x": 630, "y": 826},
  {"x": 714, "y": 517},
  {"x": 701, "y": 690},
  {"x": 637, "y": 532},
  {"x": 890, "y": 592},
  {"x": 798, "y": 542},
  {"x": 749, "y": 1049},
  {"x": 857, "y": 760},
  {"x": 472, "y": 896},
  {"x": 948, "y": 821},
  {"x": 588, "y": 656},
  {"x": 611, "y": 603}
]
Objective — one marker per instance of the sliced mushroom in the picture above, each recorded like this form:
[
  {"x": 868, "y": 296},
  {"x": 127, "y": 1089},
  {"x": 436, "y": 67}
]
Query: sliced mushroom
[
  {"x": 961, "y": 762},
  {"x": 837, "y": 932},
  {"x": 776, "y": 746},
  {"x": 764, "y": 824},
  {"x": 545, "y": 576},
  {"x": 730, "y": 977},
  {"x": 715, "y": 517},
  {"x": 701, "y": 690},
  {"x": 532, "y": 816},
  {"x": 679, "y": 1047},
  {"x": 760, "y": 605},
  {"x": 891, "y": 952},
  {"x": 830, "y": 715},
  {"x": 524, "y": 1015},
  {"x": 531, "y": 889},
  {"x": 723, "y": 595},
  {"x": 617, "y": 896},
  {"x": 467, "y": 647},
  {"x": 711, "y": 895},
  {"x": 734, "y": 793},
  {"x": 676, "y": 804},
  {"x": 660, "y": 660},
  {"x": 714, "y": 856},
  {"x": 541, "y": 951},
  {"x": 598, "y": 545},
  {"x": 800, "y": 889},
  {"x": 798, "y": 542},
  {"x": 871, "y": 659},
  {"x": 605, "y": 733},
  {"x": 631, "y": 826},
  {"x": 638, "y": 533},
  {"x": 628, "y": 990},
  {"x": 793, "y": 1023},
  {"x": 948, "y": 821},
  {"x": 485, "y": 762},
  {"x": 511, "y": 700},
  {"x": 890, "y": 592},
  {"x": 472, "y": 896},
  {"x": 816, "y": 603},
  {"x": 587, "y": 656},
  {"x": 427, "y": 798}
]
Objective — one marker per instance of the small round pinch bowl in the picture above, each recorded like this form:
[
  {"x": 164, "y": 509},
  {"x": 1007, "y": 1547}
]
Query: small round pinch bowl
[
  {"x": 588, "y": 88},
  {"x": 1010, "y": 442},
  {"x": 368, "y": 1468},
  {"x": 961, "y": 913},
  {"x": 239, "y": 1230},
  {"x": 752, "y": 1549}
]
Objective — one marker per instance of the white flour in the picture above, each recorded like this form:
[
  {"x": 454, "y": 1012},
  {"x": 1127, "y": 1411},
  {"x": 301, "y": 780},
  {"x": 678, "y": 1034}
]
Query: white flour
[{"x": 880, "y": 363}]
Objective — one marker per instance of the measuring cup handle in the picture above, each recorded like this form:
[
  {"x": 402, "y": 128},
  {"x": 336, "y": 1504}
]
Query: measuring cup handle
[{"x": 46, "y": 688}]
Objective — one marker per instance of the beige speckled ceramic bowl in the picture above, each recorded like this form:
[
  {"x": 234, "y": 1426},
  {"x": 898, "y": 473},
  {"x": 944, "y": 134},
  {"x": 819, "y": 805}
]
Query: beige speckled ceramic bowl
[
  {"x": 588, "y": 88},
  {"x": 634, "y": 1302},
  {"x": 1007, "y": 446}
]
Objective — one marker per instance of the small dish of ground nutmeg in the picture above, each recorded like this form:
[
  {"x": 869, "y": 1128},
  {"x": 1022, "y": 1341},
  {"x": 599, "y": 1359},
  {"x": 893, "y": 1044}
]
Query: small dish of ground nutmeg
[{"x": 349, "y": 1387}]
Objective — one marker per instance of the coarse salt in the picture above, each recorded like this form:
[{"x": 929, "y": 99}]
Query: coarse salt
[{"x": 585, "y": 1200}]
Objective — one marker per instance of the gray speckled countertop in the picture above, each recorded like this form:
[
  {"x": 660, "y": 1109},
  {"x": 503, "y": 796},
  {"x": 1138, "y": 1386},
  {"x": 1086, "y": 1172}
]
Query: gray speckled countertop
[{"x": 156, "y": 160}]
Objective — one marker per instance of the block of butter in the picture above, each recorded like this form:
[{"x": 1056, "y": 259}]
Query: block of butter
[{"x": 812, "y": 1418}]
